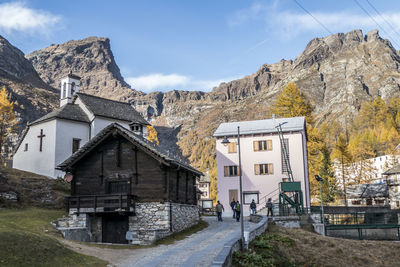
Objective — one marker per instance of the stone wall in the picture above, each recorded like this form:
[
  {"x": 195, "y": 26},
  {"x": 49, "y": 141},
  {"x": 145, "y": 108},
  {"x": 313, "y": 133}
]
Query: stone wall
[
  {"x": 184, "y": 216},
  {"x": 152, "y": 221}
]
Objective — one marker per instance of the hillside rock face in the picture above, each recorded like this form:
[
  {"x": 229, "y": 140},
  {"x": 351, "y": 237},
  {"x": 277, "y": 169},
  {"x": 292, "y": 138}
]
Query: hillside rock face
[
  {"x": 337, "y": 73},
  {"x": 91, "y": 59}
]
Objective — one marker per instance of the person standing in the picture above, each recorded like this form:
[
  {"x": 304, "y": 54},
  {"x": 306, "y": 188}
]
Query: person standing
[
  {"x": 269, "y": 207},
  {"x": 219, "y": 207},
  {"x": 237, "y": 208},
  {"x": 253, "y": 207},
  {"x": 233, "y": 205}
]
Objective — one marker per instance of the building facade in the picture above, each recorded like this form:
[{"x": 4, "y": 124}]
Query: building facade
[
  {"x": 263, "y": 164},
  {"x": 125, "y": 189},
  {"x": 51, "y": 139}
]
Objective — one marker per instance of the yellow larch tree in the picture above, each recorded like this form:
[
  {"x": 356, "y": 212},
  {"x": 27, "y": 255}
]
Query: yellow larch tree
[
  {"x": 152, "y": 135},
  {"x": 8, "y": 122}
]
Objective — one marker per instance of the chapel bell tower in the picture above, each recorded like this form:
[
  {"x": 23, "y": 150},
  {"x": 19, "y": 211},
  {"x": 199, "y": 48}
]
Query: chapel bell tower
[{"x": 69, "y": 86}]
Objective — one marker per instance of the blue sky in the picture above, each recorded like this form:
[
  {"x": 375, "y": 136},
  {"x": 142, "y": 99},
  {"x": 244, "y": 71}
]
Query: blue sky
[{"x": 193, "y": 45}]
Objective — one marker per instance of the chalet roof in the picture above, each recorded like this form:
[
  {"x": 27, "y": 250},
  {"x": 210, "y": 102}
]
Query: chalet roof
[
  {"x": 153, "y": 149},
  {"x": 260, "y": 126},
  {"x": 111, "y": 109},
  {"x": 367, "y": 191},
  {"x": 394, "y": 170},
  {"x": 68, "y": 111}
]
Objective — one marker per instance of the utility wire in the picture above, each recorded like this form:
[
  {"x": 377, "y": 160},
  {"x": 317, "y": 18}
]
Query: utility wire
[
  {"x": 380, "y": 15},
  {"x": 319, "y": 22},
  {"x": 379, "y": 26}
]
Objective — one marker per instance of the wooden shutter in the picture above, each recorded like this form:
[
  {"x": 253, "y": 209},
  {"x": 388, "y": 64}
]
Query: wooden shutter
[
  {"x": 226, "y": 171},
  {"x": 232, "y": 147},
  {"x": 255, "y": 145},
  {"x": 270, "y": 168},
  {"x": 256, "y": 169},
  {"x": 269, "y": 144}
]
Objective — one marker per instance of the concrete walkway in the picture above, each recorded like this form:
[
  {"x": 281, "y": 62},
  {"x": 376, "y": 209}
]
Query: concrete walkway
[{"x": 198, "y": 249}]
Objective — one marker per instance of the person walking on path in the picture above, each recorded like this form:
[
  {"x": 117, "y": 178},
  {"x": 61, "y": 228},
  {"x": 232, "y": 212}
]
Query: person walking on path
[
  {"x": 219, "y": 207},
  {"x": 269, "y": 207},
  {"x": 233, "y": 205},
  {"x": 237, "y": 208},
  {"x": 253, "y": 207}
]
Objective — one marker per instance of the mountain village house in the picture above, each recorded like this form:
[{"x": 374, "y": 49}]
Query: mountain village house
[
  {"x": 263, "y": 166},
  {"x": 126, "y": 189},
  {"x": 123, "y": 187},
  {"x": 51, "y": 139},
  {"x": 205, "y": 200}
]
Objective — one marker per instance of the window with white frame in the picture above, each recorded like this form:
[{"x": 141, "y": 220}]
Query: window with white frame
[
  {"x": 262, "y": 145},
  {"x": 230, "y": 170},
  {"x": 263, "y": 169},
  {"x": 249, "y": 196}
]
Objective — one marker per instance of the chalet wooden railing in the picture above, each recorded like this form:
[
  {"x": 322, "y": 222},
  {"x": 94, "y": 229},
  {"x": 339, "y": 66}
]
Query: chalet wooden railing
[{"x": 101, "y": 203}]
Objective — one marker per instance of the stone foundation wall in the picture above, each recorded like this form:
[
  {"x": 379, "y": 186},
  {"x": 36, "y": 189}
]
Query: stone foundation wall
[
  {"x": 150, "y": 223},
  {"x": 184, "y": 216},
  {"x": 153, "y": 221}
]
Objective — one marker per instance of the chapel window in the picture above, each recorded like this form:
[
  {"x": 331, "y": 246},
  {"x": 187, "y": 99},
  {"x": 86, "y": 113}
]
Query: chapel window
[
  {"x": 75, "y": 144},
  {"x": 26, "y": 147}
]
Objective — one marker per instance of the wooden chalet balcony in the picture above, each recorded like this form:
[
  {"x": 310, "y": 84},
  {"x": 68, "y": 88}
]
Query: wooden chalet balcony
[{"x": 101, "y": 203}]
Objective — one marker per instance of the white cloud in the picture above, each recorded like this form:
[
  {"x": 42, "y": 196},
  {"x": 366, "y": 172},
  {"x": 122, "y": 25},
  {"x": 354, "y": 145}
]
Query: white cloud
[
  {"x": 288, "y": 25},
  {"x": 164, "y": 82},
  {"x": 17, "y": 17}
]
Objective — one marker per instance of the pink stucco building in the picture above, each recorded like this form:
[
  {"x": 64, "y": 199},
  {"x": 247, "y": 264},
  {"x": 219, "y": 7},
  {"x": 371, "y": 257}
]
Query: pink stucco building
[{"x": 263, "y": 166}]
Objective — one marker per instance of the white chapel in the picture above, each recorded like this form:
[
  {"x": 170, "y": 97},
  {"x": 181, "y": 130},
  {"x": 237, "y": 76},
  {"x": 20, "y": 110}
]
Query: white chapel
[{"x": 51, "y": 139}]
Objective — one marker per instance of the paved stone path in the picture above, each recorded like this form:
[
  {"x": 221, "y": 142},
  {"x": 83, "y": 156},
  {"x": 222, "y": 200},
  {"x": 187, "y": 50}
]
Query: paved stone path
[{"x": 199, "y": 249}]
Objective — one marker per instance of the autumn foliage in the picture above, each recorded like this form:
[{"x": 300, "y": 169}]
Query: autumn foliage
[
  {"x": 152, "y": 134},
  {"x": 8, "y": 120}
]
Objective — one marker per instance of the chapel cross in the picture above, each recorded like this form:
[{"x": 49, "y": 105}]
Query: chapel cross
[{"x": 41, "y": 139}]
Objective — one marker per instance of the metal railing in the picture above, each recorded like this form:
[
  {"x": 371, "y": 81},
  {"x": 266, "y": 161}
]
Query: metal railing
[{"x": 104, "y": 203}]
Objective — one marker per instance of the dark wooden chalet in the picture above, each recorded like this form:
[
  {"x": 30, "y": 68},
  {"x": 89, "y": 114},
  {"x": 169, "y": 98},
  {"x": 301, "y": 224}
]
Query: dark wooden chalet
[{"x": 117, "y": 169}]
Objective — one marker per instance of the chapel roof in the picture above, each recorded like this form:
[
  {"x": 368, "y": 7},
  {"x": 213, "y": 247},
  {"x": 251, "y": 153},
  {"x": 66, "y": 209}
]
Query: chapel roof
[
  {"x": 260, "y": 126},
  {"x": 68, "y": 111},
  {"x": 367, "y": 191},
  {"x": 111, "y": 109},
  {"x": 146, "y": 145}
]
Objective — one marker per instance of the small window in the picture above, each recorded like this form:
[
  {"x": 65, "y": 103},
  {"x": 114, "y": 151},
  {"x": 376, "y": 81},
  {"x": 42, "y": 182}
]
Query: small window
[
  {"x": 72, "y": 88},
  {"x": 75, "y": 144},
  {"x": 356, "y": 202},
  {"x": 230, "y": 171},
  {"x": 64, "y": 92},
  {"x": 232, "y": 147},
  {"x": 369, "y": 201},
  {"x": 263, "y": 169},
  {"x": 249, "y": 196},
  {"x": 262, "y": 145},
  {"x": 379, "y": 201},
  {"x": 26, "y": 147}
]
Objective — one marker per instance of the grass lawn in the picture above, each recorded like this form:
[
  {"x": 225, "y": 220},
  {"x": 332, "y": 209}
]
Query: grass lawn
[
  {"x": 24, "y": 240},
  {"x": 297, "y": 247}
]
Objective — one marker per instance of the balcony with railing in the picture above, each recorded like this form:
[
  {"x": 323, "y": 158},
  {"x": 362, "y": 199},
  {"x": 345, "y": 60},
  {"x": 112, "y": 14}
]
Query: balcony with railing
[{"x": 109, "y": 203}]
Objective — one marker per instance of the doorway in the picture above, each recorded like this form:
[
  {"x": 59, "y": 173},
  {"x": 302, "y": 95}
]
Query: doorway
[
  {"x": 233, "y": 194},
  {"x": 114, "y": 228}
]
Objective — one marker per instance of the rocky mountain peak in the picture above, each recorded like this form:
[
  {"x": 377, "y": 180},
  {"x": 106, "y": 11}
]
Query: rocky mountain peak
[{"x": 90, "y": 58}]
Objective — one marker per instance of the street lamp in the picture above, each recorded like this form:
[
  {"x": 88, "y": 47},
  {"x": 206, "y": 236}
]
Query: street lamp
[
  {"x": 226, "y": 142},
  {"x": 319, "y": 179}
]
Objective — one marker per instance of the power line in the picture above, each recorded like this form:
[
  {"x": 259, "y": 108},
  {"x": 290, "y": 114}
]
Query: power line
[
  {"x": 387, "y": 22},
  {"x": 366, "y": 12},
  {"x": 319, "y": 22}
]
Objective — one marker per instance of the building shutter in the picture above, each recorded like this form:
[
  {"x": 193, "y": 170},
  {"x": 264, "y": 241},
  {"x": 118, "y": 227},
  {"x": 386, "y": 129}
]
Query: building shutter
[
  {"x": 226, "y": 171},
  {"x": 232, "y": 147},
  {"x": 269, "y": 144},
  {"x": 255, "y": 145},
  {"x": 256, "y": 169},
  {"x": 270, "y": 168}
]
